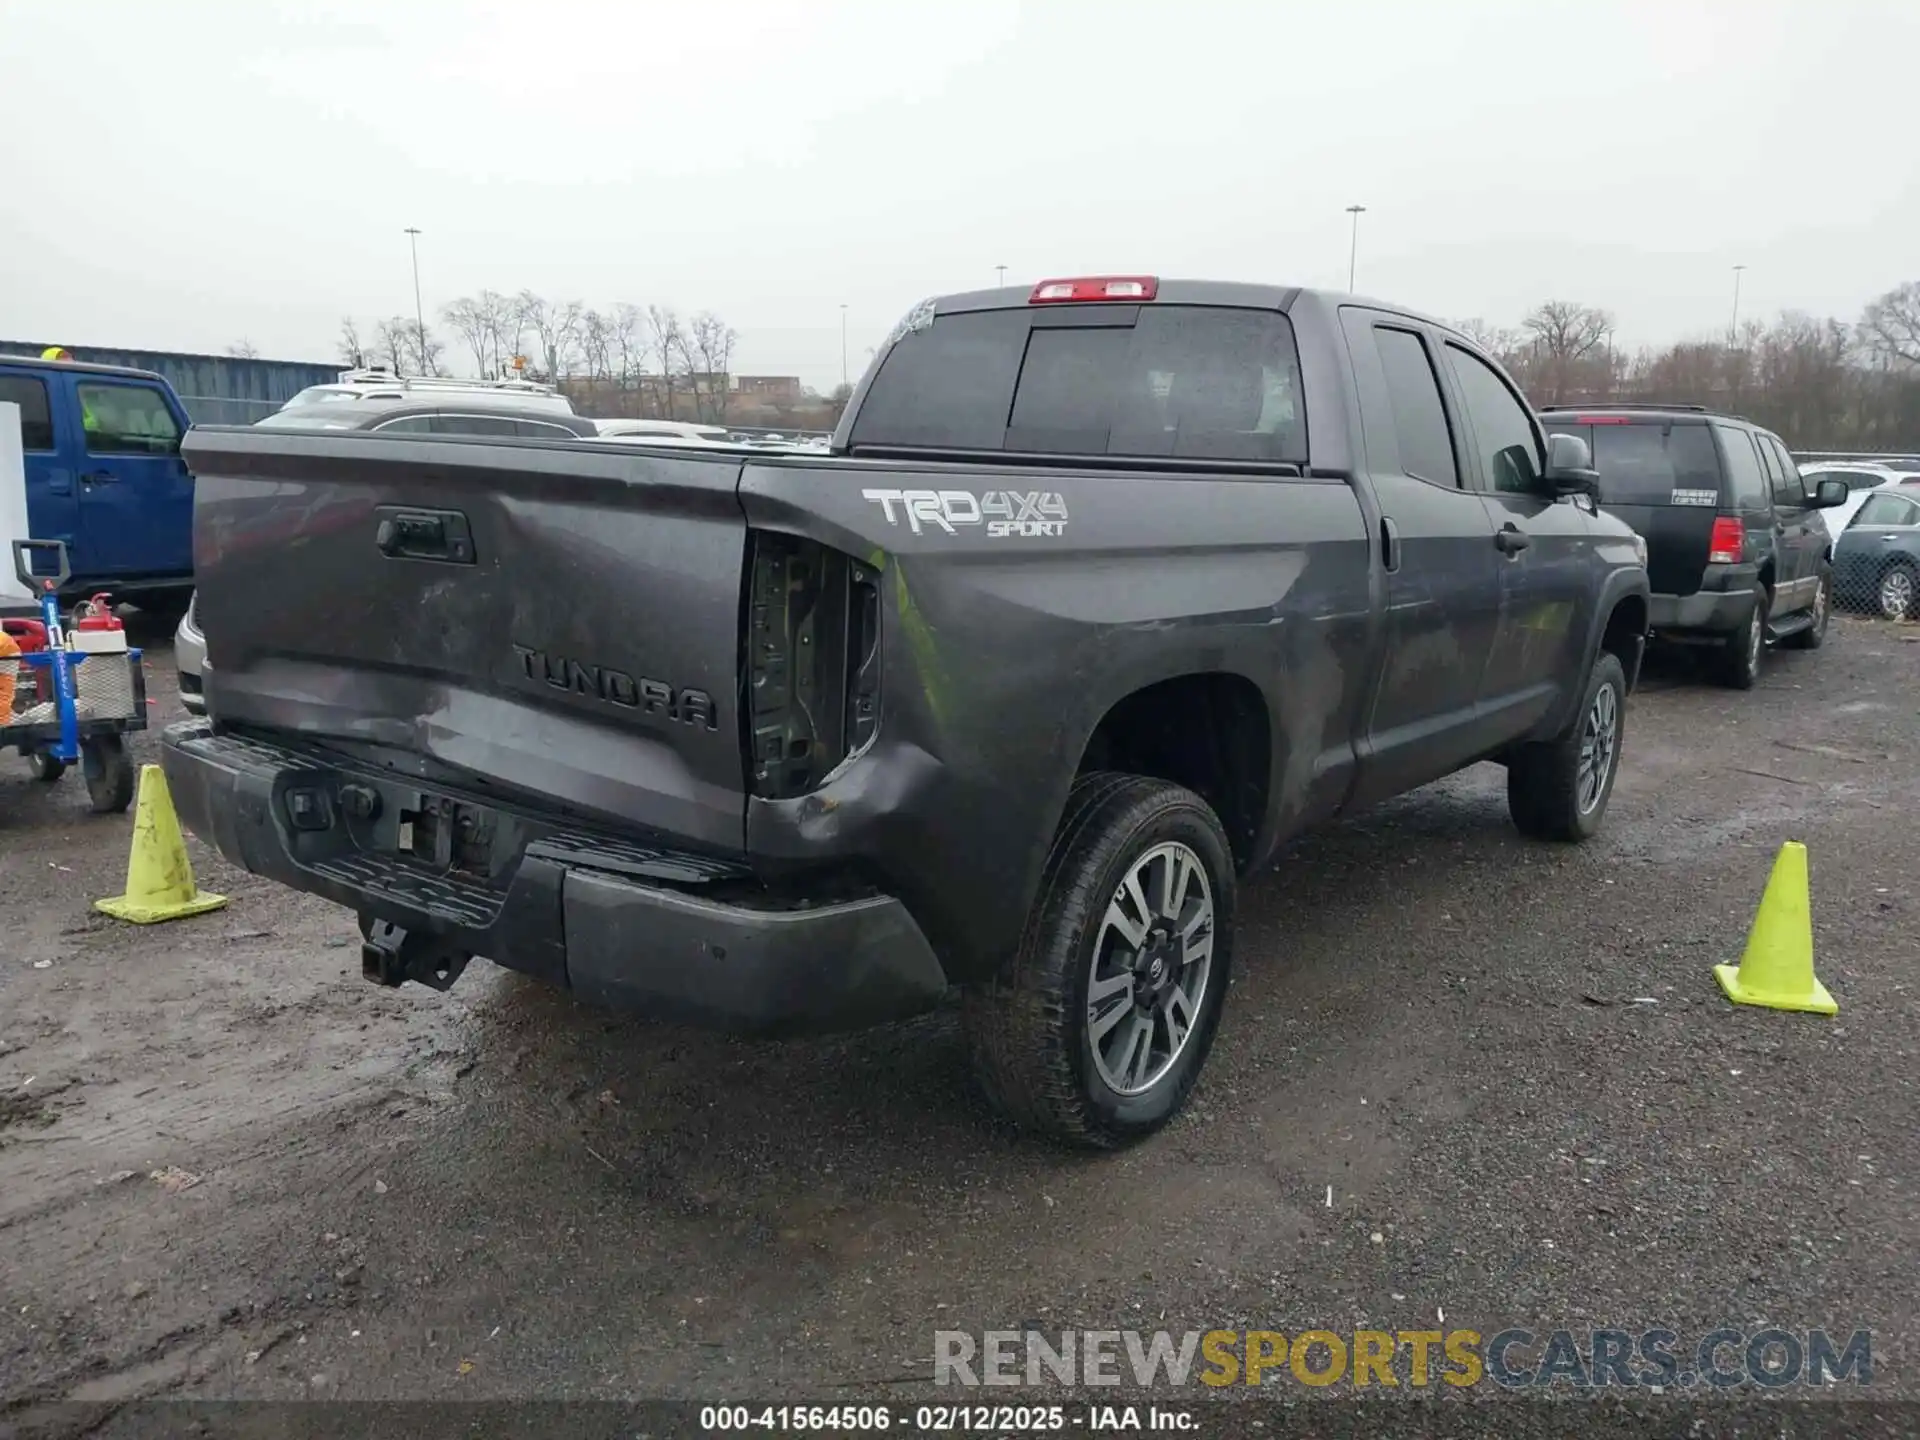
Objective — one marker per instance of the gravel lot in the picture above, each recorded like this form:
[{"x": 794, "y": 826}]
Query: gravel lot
[{"x": 497, "y": 1193}]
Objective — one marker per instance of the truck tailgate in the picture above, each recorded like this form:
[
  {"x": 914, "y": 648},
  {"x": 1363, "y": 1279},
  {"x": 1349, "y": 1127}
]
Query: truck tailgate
[{"x": 559, "y": 623}]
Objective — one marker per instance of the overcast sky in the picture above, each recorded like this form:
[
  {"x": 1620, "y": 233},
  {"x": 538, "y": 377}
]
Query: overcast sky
[{"x": 181, "y": 176}]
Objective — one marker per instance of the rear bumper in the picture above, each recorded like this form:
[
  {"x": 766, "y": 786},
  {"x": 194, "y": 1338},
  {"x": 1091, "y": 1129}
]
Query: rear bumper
[
  {"x": 1707, "y": 613},
  {"x": 621, "y": 924}
]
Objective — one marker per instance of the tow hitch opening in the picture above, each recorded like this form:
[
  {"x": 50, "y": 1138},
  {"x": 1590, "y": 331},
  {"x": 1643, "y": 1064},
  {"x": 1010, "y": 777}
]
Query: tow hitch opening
[{"x": 391, "y": 955}]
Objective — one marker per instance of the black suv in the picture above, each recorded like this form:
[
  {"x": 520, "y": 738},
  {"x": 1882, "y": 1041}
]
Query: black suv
[{"x": 1736, "y": 554}]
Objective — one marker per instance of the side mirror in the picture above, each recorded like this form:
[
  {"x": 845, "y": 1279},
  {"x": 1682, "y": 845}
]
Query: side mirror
[
  {"x": 1570, "y": 467},
  {"x": 1829, "y": 493}
]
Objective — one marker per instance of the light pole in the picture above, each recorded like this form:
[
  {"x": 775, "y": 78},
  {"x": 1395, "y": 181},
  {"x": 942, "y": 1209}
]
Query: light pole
[
  {"x": 1000, "y": 272},
  {"x": 419, "y": 312},
  {"x": 1733, "y": 325},
  {"x": 843, "y": 344},
  {"x": 1353, "y": 245}
]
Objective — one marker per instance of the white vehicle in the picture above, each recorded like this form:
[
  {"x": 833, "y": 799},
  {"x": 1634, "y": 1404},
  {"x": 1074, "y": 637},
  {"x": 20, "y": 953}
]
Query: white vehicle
[
  {"x": 661, "y": 429},
  {"x": 1863, "y": 477},
  {"x": 378, "y": 385}
]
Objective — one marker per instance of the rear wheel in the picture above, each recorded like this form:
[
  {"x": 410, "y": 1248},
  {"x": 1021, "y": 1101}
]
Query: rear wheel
[
  {"x": 1815, "y": 635},
  {"x": 1559, "y": 789},
  {"x": 1899, "y": 592},
  {"x": 1745, "y": 650},
  {"x": 1096, "y": 1029}
]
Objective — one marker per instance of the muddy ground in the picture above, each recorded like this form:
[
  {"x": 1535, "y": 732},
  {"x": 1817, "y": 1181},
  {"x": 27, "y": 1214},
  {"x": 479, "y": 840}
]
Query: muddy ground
[{"x": 499, "y": 1193}]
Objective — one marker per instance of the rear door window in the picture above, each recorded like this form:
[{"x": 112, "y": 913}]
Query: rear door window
[
  {"x": 1419, "y": 419},
  {"x": 1179, "y": 381},
  {"x": 29, "y": 392},
  {"x": 1745, "y": 479},
  {"x": 1656, "y": 464}
]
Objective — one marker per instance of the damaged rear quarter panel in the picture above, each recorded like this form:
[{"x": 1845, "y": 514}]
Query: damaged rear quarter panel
[{"x": 1001, "y": 653}]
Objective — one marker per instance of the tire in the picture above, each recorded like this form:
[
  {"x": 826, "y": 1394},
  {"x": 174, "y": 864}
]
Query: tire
[
  {"x": 45, "y": 768},
  {"x": 1744, "y": 653},
  {"x": 1036, "y": 1049},
  {"x": 1897, "y": 596},
  {"x": 1553, "y": 793},
  {"x": 1815, "y": 635},
  {"x": 110, "y": 777}
]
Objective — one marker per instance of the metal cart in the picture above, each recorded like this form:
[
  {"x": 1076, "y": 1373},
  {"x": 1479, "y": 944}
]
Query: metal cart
[{"x": 80, "y": 706}]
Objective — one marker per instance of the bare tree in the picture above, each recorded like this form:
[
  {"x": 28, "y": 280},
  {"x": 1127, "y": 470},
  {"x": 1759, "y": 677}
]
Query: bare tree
[
  {"x": 627, "y": 338},
  {"x": 596, "y": 345},
  {"x": 427, "y": 351},
  {"x": 665, "y": 351},
  {"x": 1496, "y": 341},
  {"x": 244, "y": 349},
  {"x": 709, "y": 348},
  {"x": 351, "y": 350},
  {"x": 393, "y": 341},
  {"x": 556, "y": 329},
  {"x": 1565, "y": 333},
  {"x": 502, "y": 316},
  {"x": 1890, "y": 328},
  {"x": 473, "y": 325}
]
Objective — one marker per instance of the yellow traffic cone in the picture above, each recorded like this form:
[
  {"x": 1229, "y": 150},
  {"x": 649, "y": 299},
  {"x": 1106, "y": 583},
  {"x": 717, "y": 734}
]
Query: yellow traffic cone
[
  {"x": 159, "y": 875},
  {"x": 1776, "y": 969}
]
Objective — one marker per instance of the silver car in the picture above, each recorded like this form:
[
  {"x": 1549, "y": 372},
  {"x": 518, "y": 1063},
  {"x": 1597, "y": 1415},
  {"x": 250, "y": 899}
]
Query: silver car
[{"x": 190, "y": 655}]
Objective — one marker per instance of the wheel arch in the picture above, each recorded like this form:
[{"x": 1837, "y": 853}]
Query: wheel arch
[{"x": 1212, "y": 731}]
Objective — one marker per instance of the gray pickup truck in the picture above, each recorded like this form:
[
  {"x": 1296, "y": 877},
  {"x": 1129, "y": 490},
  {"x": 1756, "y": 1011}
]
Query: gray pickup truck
[{"x": 1104, "y": 591}]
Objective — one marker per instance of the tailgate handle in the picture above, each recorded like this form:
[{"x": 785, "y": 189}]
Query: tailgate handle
[{"x": 442, "y": 535}]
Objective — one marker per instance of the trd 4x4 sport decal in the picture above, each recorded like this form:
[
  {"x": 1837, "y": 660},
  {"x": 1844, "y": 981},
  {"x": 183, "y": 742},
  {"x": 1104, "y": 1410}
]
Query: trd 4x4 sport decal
[{"x": 1005, "y": 513}]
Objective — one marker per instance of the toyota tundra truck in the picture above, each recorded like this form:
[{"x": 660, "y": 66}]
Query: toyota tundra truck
[{"x": 1104, "y": 590}]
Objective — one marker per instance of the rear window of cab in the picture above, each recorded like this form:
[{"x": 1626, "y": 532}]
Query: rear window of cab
[{"x": 1176, "y": 381}]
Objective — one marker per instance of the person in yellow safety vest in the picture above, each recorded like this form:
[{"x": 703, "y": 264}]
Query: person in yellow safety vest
[{"x": 89, "y": 422}]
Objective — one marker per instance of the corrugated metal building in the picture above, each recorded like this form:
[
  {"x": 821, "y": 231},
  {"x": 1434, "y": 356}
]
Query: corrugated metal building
[{"x": 216, "y": 389}]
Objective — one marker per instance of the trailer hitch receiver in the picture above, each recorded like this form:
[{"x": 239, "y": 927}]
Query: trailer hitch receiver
[{"x": 391, "y": 955}]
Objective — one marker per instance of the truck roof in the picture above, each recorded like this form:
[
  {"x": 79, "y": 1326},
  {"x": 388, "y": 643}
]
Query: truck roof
[
  {"x": 83, "y": 367},
  {"x": 1194, "y": 292}
]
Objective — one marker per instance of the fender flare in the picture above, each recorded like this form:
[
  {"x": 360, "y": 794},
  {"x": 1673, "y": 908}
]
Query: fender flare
[{"x": 1618, "y": 586}]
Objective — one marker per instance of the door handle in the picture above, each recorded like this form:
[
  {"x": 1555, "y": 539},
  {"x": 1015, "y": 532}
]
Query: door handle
[
  {"x": 442, "y": 535},
  {"x": 1389, "y": 545},
  {"x": 100, "y": 477},
  {"x": 1510, "y": 540}
]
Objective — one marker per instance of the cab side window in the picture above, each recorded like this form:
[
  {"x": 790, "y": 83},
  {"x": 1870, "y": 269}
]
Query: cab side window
[
  {"x": 1502, "y": 430},
  {"x": 127, "y": 420},
  {"x": 36, "y": 416}
]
